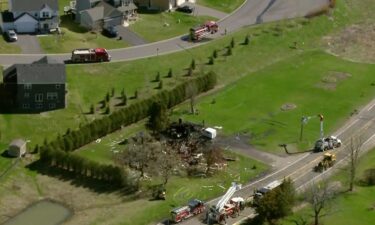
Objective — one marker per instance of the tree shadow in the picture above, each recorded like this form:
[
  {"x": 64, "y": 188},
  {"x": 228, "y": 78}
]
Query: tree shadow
[
  {"x": 95, "y": 185},
  {"x": 68, "y": 23}
]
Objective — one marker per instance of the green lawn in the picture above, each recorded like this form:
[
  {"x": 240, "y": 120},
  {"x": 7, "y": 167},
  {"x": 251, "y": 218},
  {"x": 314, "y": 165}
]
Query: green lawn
[
  {"x": 253, "y": 104},
  {"x": 102, "y": 151},
  {"x": 222, "y": 5},
  {"x": 161, "y": 26},
  {"x": 75, "y": 36},
  {"x": 8, "y": 48}
]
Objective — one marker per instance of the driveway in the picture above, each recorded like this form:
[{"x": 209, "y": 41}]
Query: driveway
[
  {"x": 129, "y": 36},
  {"x": 29, "y": 44},
  {"x": 200, "y": 10}
]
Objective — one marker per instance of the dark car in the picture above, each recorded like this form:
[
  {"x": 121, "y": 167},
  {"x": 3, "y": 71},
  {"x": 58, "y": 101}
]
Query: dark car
[
  {"x": 185, "y": 9},
  {"x": 110, "y": 31},
  {"x": 11, "y": 35}
]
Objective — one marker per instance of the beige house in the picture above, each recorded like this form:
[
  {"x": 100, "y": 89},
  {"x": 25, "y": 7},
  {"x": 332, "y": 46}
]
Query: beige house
[
  {"x": 161, "y": 4},
  {"x": 17, "y": 148}
]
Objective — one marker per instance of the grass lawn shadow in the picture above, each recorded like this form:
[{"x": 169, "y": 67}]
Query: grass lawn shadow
[{"x": 76, "y": 180}]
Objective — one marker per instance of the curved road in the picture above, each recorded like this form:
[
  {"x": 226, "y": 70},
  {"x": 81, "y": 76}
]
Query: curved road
[{"x": 250, "y": 13}]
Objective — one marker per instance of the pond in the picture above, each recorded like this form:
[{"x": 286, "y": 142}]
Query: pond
[{"x": 44, "y": 212}]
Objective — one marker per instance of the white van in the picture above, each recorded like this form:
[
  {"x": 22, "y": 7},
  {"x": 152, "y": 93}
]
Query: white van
[{"x": 209, "y": 132}]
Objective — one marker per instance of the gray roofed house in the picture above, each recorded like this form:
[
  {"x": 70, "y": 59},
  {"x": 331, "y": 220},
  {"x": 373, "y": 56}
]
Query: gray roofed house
[
  {"x": 36, "y": 87},
  {"x": 32, "y": 5},
  {"x": 94, "y": 14},
  {"x": 32, "y": 16}
]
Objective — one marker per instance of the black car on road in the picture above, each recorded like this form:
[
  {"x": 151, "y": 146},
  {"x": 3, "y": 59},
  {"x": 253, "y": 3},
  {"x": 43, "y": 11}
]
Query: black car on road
[
  {"x": 185, "y": 9},
  {"x": 110, "y": 31}
]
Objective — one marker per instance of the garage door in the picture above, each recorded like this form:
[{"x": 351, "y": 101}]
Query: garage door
[{"x": 25, "y": 24}]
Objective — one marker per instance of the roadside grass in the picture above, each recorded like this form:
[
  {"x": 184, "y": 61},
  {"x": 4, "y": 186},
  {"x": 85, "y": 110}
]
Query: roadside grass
[
  {"x": 160, "y": 26},
  {"x": 349, "y": 208},
  {"x": 8, "y": 48},
  {"x": 222, "y": 5},
  {"x": 73, "y": 36},
  {"x": 315, "y": 82}
]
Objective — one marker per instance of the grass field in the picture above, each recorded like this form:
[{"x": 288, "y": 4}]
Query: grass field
[
  {"x": 349, "y": 208},
  {"x": 222, "y": 5},
  {"x": 161, "y": 26},
  {"x": 315, "y": 82}
]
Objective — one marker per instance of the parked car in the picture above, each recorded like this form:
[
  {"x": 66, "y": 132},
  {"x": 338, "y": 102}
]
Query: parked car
[
  {"x": 185, "y": 9},
  {"x": 11, "y": 35},
  {"x": 110, "y": 31}
]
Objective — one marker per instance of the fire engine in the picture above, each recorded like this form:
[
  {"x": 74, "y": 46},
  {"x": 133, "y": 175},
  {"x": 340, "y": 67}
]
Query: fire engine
[
  {"x": 197, "y": 33},
  {"x": 90, "y": 55},
  {"x": 194, "y": 207},
  {"x": 227, "y": 206}
]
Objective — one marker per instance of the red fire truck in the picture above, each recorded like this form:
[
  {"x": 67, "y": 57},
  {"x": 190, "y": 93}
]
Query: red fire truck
[
  {"x": 90, "y": 55},
  {"x": 197, "y": 33},
  {"x": 194, "y": 207}
]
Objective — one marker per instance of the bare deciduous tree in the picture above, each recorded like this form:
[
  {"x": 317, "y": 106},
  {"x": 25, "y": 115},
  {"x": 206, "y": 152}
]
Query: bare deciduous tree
[
  {"x": 167, "y": 161},
  {"x": 355, "y": 149},
  {"x": 319, "y": 196}
]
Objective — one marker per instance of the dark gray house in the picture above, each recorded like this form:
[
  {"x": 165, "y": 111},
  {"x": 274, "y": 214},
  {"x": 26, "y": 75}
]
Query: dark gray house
[
  {"x": 102, "y": 13},
  {"x": 35, "y": 87}
]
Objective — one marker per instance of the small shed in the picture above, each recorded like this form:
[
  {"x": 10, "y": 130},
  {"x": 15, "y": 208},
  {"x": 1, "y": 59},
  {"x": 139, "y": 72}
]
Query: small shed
[
  {"x": 209, "y": 132},
  {"x": 17, "y": 148}
]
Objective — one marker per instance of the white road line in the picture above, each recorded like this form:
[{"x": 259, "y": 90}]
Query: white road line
[
  {"x": 346, "y": 127},
  {"x": 368, "y": 139},
  {"x": 372, "y": 106}
]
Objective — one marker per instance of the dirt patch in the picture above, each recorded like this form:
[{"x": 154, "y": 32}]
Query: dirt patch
[
  {"x": 332, "y": 79},
  {"x": 356, "y": 43},
  {"x": 288, "y": 106}
]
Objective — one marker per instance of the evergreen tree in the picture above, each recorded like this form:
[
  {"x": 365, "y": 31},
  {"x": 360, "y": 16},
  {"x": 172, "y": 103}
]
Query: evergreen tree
[
  {"x": 107, "y": 97},
  {"x": 247, "y": 40},
  {"x": 192, "y": 65},
  {"x": 211, "y": 61},
  {"x": 229, "y": 50},
  {"x": 214, "y": 54},
  {"x": 158, "y": 119},
  {"x": 112, "y": 92},
  {"x": 232, "y": 43},
  {"x": 160, "y": 85},
  {"x": 157, "y": 77},
  {"x": 170, "y": 73}
]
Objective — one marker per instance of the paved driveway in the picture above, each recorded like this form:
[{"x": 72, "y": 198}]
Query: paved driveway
[
  {"x": 29, "y": 44},
  {"x": 129, "y": 36},
  {"x": 200, "y": 10}
]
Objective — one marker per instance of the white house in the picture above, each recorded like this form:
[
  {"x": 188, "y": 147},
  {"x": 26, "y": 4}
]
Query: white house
[{"x": 32, "y": 16}]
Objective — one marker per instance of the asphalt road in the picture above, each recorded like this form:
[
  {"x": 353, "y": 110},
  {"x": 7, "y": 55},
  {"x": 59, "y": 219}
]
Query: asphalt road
[
  {"x": 250, "y": 13},
  {"x": 300, "y": 169}
]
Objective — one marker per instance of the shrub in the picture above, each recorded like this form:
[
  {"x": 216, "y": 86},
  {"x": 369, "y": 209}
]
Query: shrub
[
  {"x": 157, "y": 77},
  {"x": 369, "y": 177},
  {"x": 247, "y": 40},
  {"x": 92, "y": 109},
  {"x": 160, "y": 85},
  {"x": 135, "y": 94},
  {"x": 192, "y": 65},
  {"x": 211, "y": 61},
  {"x": 229, "y": 51},
  {"x": 190, "y": 72},
  {"x": 232, "y": 43}
]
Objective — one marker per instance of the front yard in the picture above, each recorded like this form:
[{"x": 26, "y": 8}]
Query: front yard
[
  {"x": 159, "y": 26},
  {"x": 75, "y": 36},
  {"x": 222, "y": 5}
]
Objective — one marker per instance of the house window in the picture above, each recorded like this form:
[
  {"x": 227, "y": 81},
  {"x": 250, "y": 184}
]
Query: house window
[
  {"x": 52, "y": 105},
  {"x": 27, "y": 86},
  {"x": 26, "y": 95},
  {"x": 45, "y": 14},
  {"x": 26, "y": 106},
  {"x": 39, "y": 97},
  {"x": 58, "y": 86},
  {"x": 39, "y": 105},
  {"x": 51, "y": 95}
]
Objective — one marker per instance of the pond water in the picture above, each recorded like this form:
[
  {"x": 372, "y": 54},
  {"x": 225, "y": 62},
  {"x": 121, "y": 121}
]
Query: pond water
[{"x": 42, "y": 213}]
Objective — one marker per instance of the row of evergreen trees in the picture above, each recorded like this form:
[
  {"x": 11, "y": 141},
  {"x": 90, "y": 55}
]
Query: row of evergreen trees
[{"x": 89, "y": 132}]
